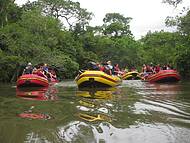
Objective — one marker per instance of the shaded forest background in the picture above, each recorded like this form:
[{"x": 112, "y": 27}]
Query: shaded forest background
[{"x": 57, "y": 32}]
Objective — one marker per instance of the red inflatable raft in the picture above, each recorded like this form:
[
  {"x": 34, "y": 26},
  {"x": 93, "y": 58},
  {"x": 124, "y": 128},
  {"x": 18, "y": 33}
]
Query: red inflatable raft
[
  {"x": 32, "y": 80},
  {"x": 164, "y": 76}
]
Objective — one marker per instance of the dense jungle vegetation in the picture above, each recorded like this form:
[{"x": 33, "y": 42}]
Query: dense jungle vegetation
[{"x": 57, "y": 32}]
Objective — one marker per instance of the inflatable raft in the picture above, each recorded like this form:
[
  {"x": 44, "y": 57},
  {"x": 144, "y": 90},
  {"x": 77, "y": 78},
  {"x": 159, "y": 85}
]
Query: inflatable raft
[{"x": 99, "y": 79}]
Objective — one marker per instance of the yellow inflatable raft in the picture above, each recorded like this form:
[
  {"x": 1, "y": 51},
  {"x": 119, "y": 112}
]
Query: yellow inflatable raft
[
  {"x": 99, "y": 79},
  {"x": 134, "y": 75}
]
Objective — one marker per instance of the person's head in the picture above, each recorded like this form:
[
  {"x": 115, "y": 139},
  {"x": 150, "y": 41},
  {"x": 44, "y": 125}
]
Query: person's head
[
  {"x": 116, "y": 65},
  {"x": 53, "y": 72},
  {"x": 109, "y": 62},
  {"x": 104, "y": 63},
  {"x": 98, "y": 64},
  {"x": 29, "y": 64}
]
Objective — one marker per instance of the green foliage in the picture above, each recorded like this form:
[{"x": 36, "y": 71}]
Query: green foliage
[
  {"x": 9, "y": 12},
  {"x": 171, "y": 21},
  {"x": 127, "y": 52},
  {"x": 116, "y": 25},
  {"x": 68, "y": 10},
  {"x": 66, "y": 67},
  {"x": 8, "y": 65},
  {"x": 34, "y": 33},
  {"x": 183, "y": 62},
  {"x": 184, "y": 25},
  {"x": 160, "y": 47},
  {"x": 36, "y": 38}
]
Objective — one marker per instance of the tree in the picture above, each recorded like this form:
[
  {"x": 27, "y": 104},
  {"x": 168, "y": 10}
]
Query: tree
[
  {"x": 116, "y": 25},
  {"x": 68, "y": 10},
  {"x": 161, "y": 47},
  {"x": 9, "y": 12},
  {"x": 173, "y": 2},
  {"x": 184, "y": 24},
  {"x": 184, "y": 50}
]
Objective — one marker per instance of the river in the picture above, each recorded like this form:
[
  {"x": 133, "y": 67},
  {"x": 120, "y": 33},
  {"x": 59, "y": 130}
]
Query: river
[{"x": 134, "y": 112}]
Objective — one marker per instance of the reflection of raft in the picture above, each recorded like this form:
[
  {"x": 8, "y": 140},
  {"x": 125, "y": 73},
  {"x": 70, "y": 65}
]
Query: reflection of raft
[
  {"x": 164, "y": 76},
  {"x": 32, "y": 80},
  {"x": 99, "y": 94},
  {"x": 33, "y": 94},
  {"x": 87, "y": 103},
  {"x": 36, "y": 93},
  {"x": 92, "y": 118},
  {"x": 98, "y": 79},
  {"x": 34, "y": 116},
  {"x": 134, "y": 75}
]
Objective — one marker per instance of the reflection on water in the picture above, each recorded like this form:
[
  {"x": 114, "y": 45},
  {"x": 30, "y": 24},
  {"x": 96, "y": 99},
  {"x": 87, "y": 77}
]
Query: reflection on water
[
  {"x": 38, "y": 93},
  {"x": 135, "y": 112},
  {"x": 94, "y": 104},
  {"x": 146, "y": 88},
  {"x": 34, "y": 115},
  {"x": 96, "y": 94}
]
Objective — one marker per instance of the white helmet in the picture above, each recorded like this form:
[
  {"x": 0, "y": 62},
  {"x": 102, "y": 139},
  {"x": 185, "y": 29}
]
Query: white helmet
[{"x": 29, "y": 64}]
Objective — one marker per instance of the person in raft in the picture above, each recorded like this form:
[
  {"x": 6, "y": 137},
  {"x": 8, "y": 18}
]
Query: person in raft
[
  {"x": 28, "y": 69},
  {"x": 108, "y": 68}
]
